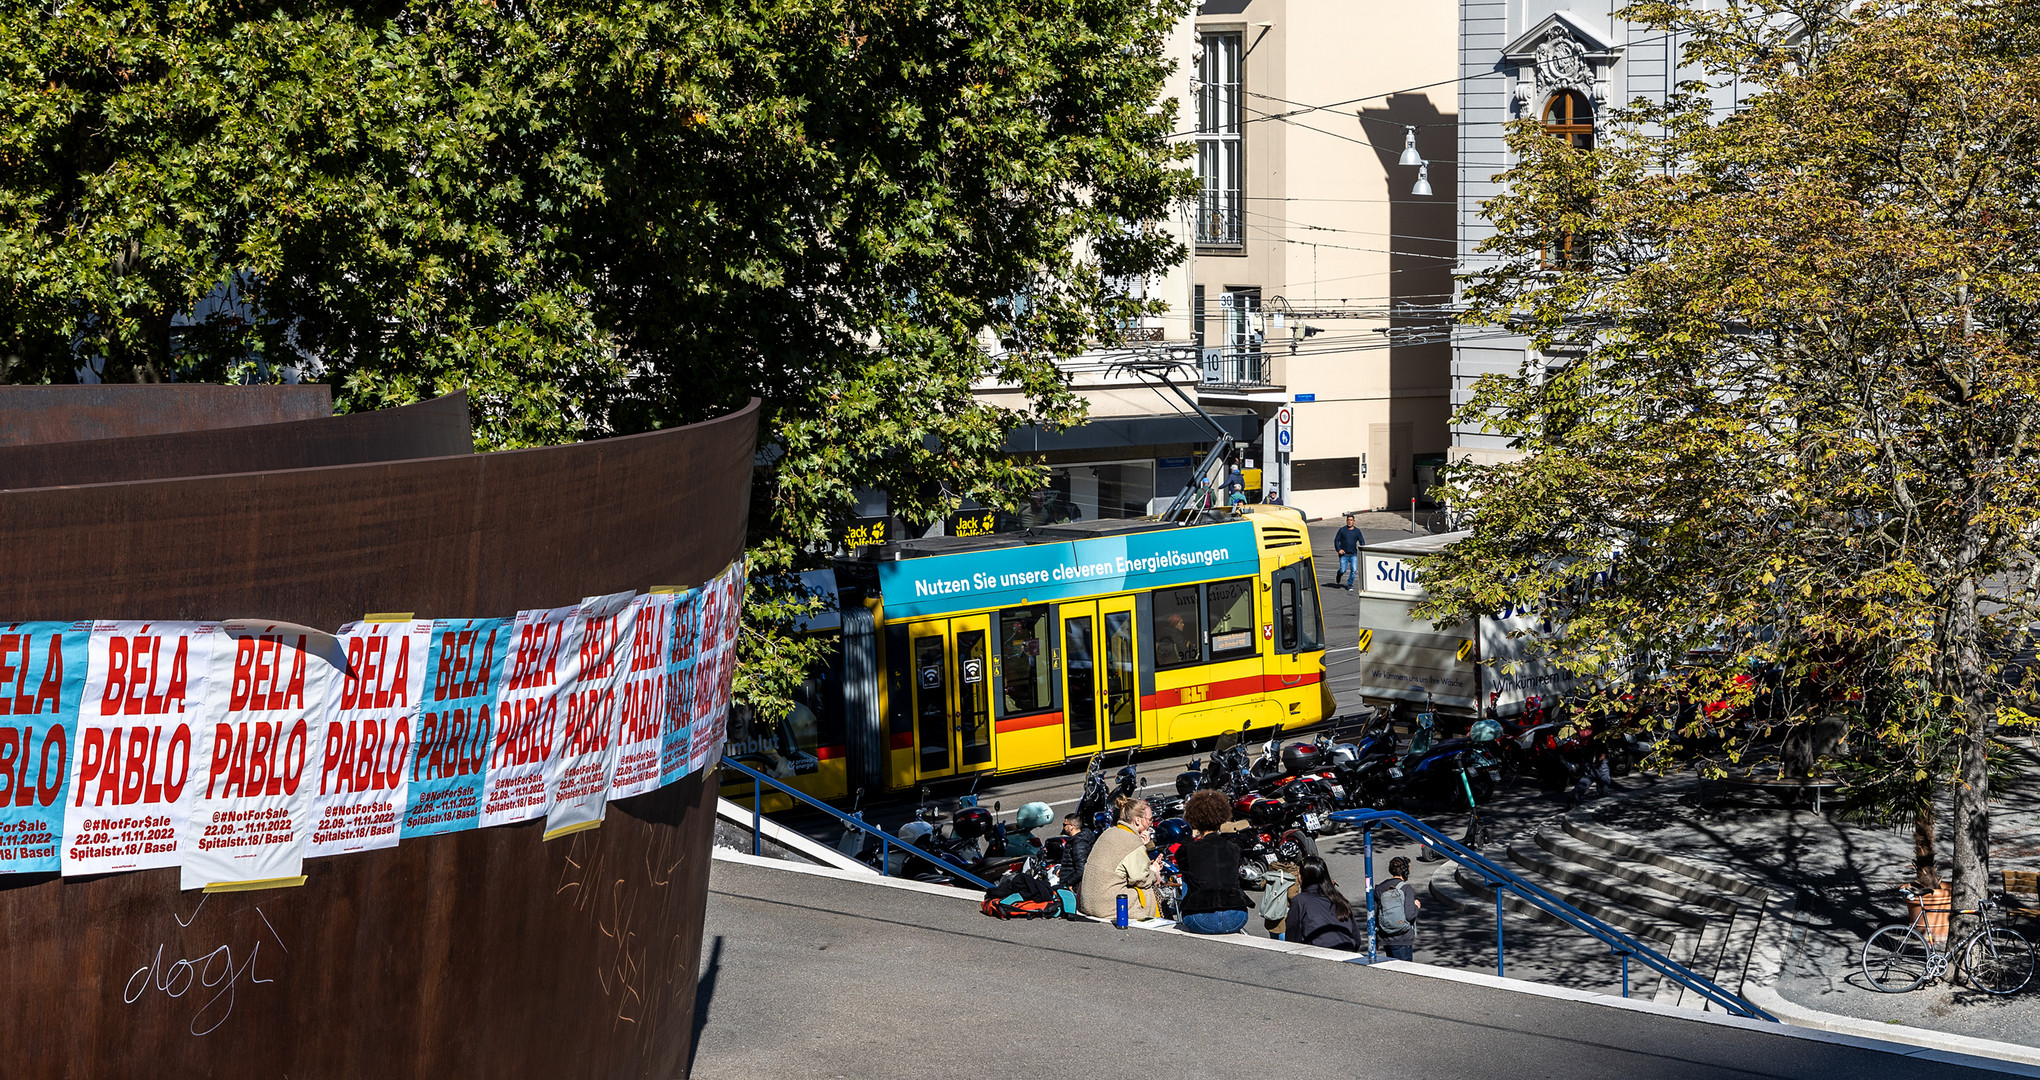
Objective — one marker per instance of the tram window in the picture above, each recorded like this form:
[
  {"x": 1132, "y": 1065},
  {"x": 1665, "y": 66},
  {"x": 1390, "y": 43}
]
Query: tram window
[
  {"x": 1230, "y": 611},
  {"x": 899, "y": 682},
  {"x": 1024, "y": 668},
  {"x": 1178, "y": 632},
  {"x": 1309, "y": 617},
  {"x": 1286, "y": 607}
]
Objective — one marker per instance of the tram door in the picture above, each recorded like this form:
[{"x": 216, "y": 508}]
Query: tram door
[
  {"x": 1101, "y": 695},
  {"x": 952, "y": 695}
]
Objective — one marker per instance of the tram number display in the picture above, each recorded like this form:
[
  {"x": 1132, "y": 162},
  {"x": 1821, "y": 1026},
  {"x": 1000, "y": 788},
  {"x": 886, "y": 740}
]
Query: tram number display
[
  {"x": 973, "y": 523},
  {"x": 973, "y": 671},
  {"x": 867, "y": 532}
]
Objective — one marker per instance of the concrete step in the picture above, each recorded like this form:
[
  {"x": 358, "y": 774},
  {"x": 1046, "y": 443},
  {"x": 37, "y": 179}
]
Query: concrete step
[
  {"x": 1654, "y": 933},
  {"x": 1677, "y": 886},
  {"x": 1616, "y": 843},
  {"x": 1544, "y": 864}
]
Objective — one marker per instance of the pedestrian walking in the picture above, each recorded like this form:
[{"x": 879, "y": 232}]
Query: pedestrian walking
[
  {"x": 1347, "y": 542},
  {"x": 1395, "y": 911}
]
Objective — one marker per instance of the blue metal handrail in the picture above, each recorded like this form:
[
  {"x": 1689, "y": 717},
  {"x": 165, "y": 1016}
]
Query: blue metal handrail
[
  {"x": 885, "y": 842},
  {"x": 1618, "y": 942}
]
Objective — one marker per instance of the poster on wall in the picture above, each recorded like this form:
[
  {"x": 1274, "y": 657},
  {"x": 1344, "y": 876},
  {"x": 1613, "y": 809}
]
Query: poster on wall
[
  {"x": 577, "y": 776},
  {"x": 641, "y": 698},
  {"x": 131, "y": 771},
  {"x": 544, "y": 654},
  {"x": 450, "y": 758},
  {"x": 365, "y": 763},
  {"x": 683, "y": 650},
  {"x": 255, "y": 750},
  {"x": 717, "y": 665},
  {"x": 42, "y": 678}
]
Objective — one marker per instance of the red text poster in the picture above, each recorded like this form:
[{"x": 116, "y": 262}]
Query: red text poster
[
  {"x": 640, "y": 716},
  {"x": 721, "y": 612},
  {"x": 42, "y": 680},
  {"x": 259, "y": 753},
  {"x": 364, "y": 778},
  {"x": 132, "y": 773},
  {"x": 544, "y": 654},
  {"x": 577, "y": 776}
]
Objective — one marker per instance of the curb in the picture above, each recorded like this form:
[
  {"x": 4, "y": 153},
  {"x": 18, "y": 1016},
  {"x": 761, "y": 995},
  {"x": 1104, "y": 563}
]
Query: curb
[
  {"x": 1805, "y": 1024},
  {"x": 790, "y": 840}
]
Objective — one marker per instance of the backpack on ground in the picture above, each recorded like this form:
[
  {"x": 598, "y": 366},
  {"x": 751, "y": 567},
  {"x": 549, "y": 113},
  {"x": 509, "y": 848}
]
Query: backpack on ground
[
  {"x": 1275, "y": 895},
  {"x": 1020, "y": 896},
  {"x": 1389, "y": 916}
]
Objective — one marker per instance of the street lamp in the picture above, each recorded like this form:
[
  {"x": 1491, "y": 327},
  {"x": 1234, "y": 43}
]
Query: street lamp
[
  {"x": 1409, "y": 147},
  {"x": 1422, "y": 188}
]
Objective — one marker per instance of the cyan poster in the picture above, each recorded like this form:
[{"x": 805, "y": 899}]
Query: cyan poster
[
  {"x": 42, "y": 679},
  {"x": 1041, "y": 573},
  {"x": 455, "y": 723}
]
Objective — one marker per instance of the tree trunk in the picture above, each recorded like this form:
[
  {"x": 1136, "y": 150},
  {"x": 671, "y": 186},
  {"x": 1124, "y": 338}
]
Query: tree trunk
[
  {"x": 1926, "y": 863},
  {"x": 1963, "y": 682}
]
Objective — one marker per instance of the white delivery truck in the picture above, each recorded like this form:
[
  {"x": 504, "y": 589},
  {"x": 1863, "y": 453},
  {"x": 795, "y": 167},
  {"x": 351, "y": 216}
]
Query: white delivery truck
[{"x": 1461, "y": 669}]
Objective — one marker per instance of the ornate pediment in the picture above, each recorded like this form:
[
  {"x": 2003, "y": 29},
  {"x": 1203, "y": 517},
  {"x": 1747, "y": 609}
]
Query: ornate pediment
[{"x": 1561, "y": 52}]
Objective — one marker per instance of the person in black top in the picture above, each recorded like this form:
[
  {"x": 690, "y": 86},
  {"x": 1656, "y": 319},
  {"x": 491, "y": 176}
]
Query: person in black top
[
  {"x": 1320, "y": 915},
  {"x": 1347, "y": 542},
  {"x": 1212, "y": 901}
]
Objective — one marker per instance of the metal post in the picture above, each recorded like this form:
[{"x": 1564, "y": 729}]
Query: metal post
[
  {"x": 1498, "y": 931},
  {"x": 757, "y": 818},
  {"x": 884, "y": 855},
  {"x": 1625, "y": 973},
  {"x": 1367, "y": 844}
]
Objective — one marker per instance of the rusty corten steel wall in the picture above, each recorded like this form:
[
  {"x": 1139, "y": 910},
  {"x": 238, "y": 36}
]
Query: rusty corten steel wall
[
  {"x": 486, "y": 953},
  {"x": 45, "y": 414},
  {"x": 435, "y": 428}
]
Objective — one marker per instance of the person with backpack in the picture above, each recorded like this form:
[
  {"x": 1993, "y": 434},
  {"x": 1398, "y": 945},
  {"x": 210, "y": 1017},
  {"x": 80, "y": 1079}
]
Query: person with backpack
[
  {"x": 1320, "y": 915},
  {"x": 1395, "y": 911},
  {"x": 1280, "y": 886},
  {"x": 1212, "y": 901}
]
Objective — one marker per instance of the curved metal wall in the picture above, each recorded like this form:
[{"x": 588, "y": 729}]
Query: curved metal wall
[
  {"x": 481, "y": 953},
  {"x": 435, "y": 428},
  {"x": 46, "y": 414}
]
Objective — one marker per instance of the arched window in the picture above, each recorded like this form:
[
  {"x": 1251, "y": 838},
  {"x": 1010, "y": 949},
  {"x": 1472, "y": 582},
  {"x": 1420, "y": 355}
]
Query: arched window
[{"x": 1570, "y": 116}]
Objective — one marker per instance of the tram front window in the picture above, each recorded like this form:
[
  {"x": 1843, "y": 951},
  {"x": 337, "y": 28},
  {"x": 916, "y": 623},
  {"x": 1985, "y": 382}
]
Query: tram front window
[{"x": 932, "y": 707}]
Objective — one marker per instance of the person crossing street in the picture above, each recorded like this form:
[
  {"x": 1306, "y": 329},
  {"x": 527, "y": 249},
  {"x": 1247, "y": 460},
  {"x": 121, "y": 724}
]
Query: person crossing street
[{"x": 1347, "y": 542}]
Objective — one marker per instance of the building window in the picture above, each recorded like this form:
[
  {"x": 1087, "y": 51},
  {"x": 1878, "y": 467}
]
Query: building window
[
  {"x": 1238, "y": 361},
  {"x": 1219, "y": 169},
  {"x": 1569, "y": 116}
]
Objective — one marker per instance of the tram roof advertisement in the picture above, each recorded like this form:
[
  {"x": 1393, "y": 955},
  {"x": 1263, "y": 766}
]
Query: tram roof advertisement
[{"x": 1040, "y": 573}]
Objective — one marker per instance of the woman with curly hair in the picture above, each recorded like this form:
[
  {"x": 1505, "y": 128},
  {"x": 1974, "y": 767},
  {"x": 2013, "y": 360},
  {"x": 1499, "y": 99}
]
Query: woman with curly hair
[{"x": 1212, "y": 900}]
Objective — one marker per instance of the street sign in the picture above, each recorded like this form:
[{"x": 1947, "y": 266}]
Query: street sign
[
  {"x": 1283, "y": 429},
  {"x": 1366, "y": 637}
]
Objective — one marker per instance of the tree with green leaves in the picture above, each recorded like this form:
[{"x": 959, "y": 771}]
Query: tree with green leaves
[
  {"x": 1788, "y": 387},
  {"x": 601, "y": 219}
]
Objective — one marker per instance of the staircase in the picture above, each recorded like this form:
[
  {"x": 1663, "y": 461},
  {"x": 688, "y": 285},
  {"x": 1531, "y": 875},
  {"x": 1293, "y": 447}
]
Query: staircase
[{"x": 1701, "y": 916}]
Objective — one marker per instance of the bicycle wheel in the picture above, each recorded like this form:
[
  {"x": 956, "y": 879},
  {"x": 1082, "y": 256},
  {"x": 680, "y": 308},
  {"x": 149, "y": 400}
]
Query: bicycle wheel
[
  {"x": 2000, "y": 962},
  {"x": 1895, "y": 959}
]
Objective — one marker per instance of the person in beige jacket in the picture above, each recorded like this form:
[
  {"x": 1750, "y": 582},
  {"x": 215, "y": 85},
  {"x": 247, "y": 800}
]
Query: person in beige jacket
[{"x": 1119, "y": 867}]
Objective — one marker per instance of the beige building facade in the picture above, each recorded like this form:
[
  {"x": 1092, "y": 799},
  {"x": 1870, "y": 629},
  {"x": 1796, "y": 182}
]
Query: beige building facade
[{"x": 1320, "y": 281}]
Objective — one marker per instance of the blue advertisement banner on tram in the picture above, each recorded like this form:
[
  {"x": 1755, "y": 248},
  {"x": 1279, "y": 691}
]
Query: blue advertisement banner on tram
[{"x": 1041, "y": 573}]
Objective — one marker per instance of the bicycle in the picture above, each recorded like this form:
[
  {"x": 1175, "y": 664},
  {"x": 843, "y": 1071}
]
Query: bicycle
[{"x": 1901, "y": 956}]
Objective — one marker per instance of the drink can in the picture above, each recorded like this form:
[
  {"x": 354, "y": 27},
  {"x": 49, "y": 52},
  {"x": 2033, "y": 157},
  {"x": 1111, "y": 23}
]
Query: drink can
[{"x": 1120, "y": 919}]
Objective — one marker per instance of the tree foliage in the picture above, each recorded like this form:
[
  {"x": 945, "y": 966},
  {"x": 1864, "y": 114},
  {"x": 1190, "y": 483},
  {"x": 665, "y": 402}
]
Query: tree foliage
[
  {"x": 602, "y": 218},
  {"x": 1793, "y": 394}
]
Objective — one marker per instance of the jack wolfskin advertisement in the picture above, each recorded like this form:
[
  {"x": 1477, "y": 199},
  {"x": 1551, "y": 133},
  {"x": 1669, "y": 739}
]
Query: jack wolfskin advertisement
[
  {"x": 577, "y": 777},
  {"x": 258, "y": 753},
  {"x": 42, "y": 678},
  {"x": 131, "y": 775},
  {"x": 364, "y": 781}
]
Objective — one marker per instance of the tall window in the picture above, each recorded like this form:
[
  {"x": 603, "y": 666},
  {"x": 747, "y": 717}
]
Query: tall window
[
  {"x": 1569, "y": 116},
  {"x": 1218, "y": 139}
]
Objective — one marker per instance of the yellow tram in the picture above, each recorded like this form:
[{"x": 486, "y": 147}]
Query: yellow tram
[{"x": 1008, "y": 652}]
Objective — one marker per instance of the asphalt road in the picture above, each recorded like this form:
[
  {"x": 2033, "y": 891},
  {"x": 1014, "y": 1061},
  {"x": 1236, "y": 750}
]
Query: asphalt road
[{"x": 805, "y": 976}]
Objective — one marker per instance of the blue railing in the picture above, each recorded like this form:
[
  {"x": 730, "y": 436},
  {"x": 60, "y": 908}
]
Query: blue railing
[
  {"x": 1501, "y": 879},
  {"x": 885, "y": 843}
]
